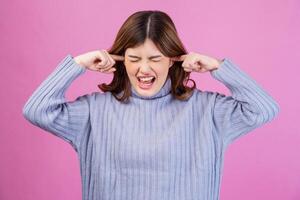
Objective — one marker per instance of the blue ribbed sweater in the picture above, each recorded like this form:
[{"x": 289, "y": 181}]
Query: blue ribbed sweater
[{"x": 154, "y": 148}]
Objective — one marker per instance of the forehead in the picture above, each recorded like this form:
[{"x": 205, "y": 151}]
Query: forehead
[{"x": 148, "y": 47}]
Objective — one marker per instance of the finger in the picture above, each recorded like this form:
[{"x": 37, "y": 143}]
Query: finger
[
  {"x": 103, "y": 60},
  {"x": 106, "y": 67},
  {"x": 202, "y": 70},
  {"x": 198, "y": 67},
  {"x": 110, "y": 70},
  {"x": 117, "y": 57},
  {"x": 187, "y": 66},
  {"x": 178, "y": 58},
  {"x": 103, "y": 69},
  {"x": 109, "y": 60},
  {"x": 192, "y": 66},
  {"x": 110, "y": 67},
  {"x": 187, "y": 69},
  {"x": 175, "y": 59}
]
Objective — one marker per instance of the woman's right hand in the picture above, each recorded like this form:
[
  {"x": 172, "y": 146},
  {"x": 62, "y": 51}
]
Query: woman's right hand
[{"x": 99, "y": 60}]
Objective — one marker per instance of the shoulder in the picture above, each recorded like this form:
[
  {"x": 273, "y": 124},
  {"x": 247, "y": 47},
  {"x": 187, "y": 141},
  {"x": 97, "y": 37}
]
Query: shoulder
[
  {"x": 206, "y": 96},
  {"x": 207, "y": 100},
  {"x": 100, "y": 96},
  {"x": 95, "y": 97}
]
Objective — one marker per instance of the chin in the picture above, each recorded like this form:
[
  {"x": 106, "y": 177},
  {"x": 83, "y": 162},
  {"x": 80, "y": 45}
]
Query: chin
[{"x": 148, "y": 92}]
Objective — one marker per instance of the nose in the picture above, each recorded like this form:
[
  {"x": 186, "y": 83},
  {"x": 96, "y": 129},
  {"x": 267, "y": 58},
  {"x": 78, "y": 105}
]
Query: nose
[{"x": 145, "y": 69}]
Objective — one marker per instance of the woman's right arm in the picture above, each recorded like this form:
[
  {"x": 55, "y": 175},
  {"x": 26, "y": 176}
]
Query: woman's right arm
[{"x": 48, "y": 109}]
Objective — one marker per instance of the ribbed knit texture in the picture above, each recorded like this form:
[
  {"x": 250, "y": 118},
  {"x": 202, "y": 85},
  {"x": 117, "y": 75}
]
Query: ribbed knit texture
[{"x": 154, "y": 148}]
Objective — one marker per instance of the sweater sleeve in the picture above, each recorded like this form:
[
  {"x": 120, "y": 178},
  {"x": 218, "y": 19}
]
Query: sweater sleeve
[
  {"x": 248, "y": 107},
  {"x": 48, "y": 109}
]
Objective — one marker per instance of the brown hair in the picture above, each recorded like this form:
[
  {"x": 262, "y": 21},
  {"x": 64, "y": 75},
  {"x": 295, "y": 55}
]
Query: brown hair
[{"x": 159, "y": 27}]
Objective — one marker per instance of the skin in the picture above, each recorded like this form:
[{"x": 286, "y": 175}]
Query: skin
[{"x": 139, "y": 61}]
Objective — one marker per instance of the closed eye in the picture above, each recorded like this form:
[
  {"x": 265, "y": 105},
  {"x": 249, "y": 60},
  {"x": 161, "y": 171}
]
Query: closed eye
[{"x": 138, "y": 60}]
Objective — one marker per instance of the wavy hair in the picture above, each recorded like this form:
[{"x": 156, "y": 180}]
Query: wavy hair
[{"x": 158, "y": 27}]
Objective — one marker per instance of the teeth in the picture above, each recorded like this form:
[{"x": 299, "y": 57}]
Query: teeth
[{"x": 146, "y": 79}]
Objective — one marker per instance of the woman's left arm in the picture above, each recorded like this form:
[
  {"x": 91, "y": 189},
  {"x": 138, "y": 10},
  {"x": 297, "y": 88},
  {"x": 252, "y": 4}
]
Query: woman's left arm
[{"x": 249, "y": 106}]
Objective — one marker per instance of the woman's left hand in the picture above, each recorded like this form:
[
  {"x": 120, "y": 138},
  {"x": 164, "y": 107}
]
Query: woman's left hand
[{"x": 197, "y": 62}]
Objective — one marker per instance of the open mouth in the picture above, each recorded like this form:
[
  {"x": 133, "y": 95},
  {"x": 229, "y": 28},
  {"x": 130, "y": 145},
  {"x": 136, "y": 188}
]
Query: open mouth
[{"x": 146, "y": 82}]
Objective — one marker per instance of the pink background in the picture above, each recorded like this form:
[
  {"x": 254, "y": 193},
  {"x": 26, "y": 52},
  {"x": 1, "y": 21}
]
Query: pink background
[{"x": 262, "y": 37}]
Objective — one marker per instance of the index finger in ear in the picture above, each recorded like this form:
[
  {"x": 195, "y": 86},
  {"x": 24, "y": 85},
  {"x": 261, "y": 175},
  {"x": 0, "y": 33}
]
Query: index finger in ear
[
  {"x": 117, "y": 57},
  {"x": 179, "y": 58}
]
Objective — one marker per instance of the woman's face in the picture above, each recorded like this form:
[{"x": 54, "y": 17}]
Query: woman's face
[{"x": 148, "y": 62}]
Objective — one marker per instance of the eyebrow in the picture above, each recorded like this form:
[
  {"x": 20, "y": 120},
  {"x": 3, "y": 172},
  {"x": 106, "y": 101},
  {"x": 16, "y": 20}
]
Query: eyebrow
[{"x": 156, "y": 56}]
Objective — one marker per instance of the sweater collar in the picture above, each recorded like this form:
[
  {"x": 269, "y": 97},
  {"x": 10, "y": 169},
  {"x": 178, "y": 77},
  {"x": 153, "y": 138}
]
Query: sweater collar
[{"x": 165, "y": 90}]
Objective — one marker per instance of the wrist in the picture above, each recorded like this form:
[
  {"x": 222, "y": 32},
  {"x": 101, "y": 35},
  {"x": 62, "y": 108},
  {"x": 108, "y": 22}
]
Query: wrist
[
  {"x": 78, "y": 61},
  {"x": 218, "y": 63}
]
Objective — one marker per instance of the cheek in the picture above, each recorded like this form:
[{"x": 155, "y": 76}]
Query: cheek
[
  {"x": 130, "y": 68},
  {"x": 161, "y": 68}
]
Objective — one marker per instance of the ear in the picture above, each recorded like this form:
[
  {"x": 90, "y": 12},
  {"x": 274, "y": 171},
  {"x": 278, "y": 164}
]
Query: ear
[{"x": 171, "y": 63}]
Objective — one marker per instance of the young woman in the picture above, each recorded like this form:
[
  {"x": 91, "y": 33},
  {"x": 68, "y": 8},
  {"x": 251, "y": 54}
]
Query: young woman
[{"x": 149, "y": 135}]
